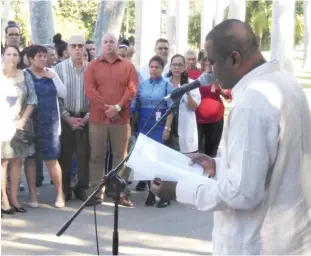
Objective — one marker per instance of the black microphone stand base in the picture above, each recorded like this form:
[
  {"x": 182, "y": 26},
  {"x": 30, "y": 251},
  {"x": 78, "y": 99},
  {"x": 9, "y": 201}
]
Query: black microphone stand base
[{"x": 114, "y": 185}]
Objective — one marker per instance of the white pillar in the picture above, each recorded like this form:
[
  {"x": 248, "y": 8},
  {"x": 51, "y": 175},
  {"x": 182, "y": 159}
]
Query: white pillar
[
  {"x": 282, "y": 36},
  {"x": 148, "y": 29},
  {"x": 307, "y": 35},
  {"x": 182, "y": 26},
  {"x": 208, "y": 10},
  {"x": 220, "y": 7},
  {"x": 171, "y": 25},
  {"x": 237, "y": 9}
]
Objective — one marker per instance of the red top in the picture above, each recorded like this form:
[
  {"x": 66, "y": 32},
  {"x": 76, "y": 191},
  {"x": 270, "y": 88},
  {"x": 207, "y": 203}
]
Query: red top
[
  {"x": 193, "y": 73},
  {"x": 211, "y": 109}
]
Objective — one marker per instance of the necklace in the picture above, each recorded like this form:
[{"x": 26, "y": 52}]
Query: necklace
[{"x": 10, "y": 76}]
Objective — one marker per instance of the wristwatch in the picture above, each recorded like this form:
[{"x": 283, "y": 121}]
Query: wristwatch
[
  {"x": 167, "y": 128},
  {"x": 118, "y": 108}
]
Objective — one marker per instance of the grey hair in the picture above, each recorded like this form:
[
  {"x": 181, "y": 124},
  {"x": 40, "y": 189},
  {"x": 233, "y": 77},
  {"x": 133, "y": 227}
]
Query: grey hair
[{"x": 191, "y": 52}]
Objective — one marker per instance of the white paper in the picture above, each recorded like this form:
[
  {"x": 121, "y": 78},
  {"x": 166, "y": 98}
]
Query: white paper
[{"x": 151, "y": 159}]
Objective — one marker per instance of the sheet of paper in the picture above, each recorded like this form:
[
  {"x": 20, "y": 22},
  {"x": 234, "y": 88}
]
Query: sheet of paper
[{"x": 151, "y": 159}]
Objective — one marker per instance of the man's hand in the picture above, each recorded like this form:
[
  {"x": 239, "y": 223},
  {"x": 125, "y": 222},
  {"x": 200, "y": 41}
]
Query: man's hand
[
  {"x": 111, "y": 111},
  {"x": 83, "y": 122},
  {"x": 165, "y": 190},
  {"x": 74, "y": 122},
  {"x": 165, "y": 135},
  {"x": 208, "y": 163},
  {"x": 49, "y": 74}
]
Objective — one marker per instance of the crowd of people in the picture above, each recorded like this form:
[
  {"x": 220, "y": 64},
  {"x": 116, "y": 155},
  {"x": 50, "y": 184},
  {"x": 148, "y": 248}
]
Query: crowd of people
[{"x": 82, "y": 111}]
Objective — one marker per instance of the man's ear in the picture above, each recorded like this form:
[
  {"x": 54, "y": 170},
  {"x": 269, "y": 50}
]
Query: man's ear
[{"x": 235, "y": 59}]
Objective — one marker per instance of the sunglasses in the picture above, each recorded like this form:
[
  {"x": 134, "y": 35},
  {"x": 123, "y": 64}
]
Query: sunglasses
[
  {"x": 77, "y": 45},
  {"x": 14, "y": 34}
]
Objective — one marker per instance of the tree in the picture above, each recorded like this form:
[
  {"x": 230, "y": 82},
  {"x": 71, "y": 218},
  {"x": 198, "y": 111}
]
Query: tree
[
  {"x": 307, "y": 35},
  {"x": 81, "y": 13},
  {"x": 41, "y": 21},
  {"x": 130, "y": 11},
  {"x": 194, "y": 36},
  {"x": 108, "y": 20}
]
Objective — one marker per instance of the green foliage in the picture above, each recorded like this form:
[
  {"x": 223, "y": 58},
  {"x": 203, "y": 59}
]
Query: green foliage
[
  {"x": 194, "y": 34},
  {"x": 130, "y": 10},
  {"x": 21, "y": 17},
  {"x": 77, "y": 15}
]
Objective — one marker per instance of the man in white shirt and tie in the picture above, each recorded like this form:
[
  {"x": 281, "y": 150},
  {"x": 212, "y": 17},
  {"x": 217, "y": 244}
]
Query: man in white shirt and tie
[{"x": 260, "y": 190}]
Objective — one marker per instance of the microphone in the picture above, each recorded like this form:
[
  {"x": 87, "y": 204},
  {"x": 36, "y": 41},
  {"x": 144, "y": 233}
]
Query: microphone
[{"x": 204, "y": 79}]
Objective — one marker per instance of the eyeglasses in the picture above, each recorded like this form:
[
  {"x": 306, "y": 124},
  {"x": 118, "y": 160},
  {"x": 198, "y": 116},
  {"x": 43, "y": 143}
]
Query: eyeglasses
[
  {"x": 14, "y": 34},
  {"x": 163, "y": 48},
  {"x": 74, "y": 46},
  {"x": 177, "y": 65}
]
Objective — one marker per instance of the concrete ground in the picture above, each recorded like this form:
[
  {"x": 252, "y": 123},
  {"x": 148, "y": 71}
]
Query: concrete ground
[{"x": 176, "y": 230}]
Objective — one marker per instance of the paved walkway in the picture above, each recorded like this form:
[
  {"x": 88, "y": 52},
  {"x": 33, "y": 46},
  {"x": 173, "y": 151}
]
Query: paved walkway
[{"x": 176, "y": 230}]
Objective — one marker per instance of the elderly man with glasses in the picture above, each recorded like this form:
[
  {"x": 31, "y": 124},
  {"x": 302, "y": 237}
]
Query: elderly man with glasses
[{"x": 75, "y": 117}]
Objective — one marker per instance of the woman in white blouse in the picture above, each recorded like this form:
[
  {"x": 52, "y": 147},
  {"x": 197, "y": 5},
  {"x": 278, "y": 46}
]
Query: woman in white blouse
[{"x": 187, "y": 127}]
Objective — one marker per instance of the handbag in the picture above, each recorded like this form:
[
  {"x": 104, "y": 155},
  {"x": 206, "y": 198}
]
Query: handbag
[{"x": 22, "y": 138}]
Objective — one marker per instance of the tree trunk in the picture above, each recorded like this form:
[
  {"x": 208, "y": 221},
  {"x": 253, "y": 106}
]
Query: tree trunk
[
  {"x": 237, "y": 9},
  {"x": 282, "y": 40},
  {"x": 307, "y": 35},
  {"x": 41, "y": 21},
  {"x": 109, "y": 20}
]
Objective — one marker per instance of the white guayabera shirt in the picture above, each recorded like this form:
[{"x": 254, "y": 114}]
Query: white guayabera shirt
[{"x": 262, "y": 189}]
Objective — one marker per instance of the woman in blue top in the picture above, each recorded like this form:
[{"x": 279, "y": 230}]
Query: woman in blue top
[{"x": 150, "y": 92}]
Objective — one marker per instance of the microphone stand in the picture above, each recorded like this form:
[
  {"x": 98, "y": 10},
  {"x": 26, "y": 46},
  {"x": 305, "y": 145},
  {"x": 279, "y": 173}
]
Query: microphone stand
[{"x": 114, "y": 185}]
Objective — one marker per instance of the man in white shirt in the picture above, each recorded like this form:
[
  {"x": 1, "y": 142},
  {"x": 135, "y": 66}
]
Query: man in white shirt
[
  {"x": 162, "y": 49},
  {"x": 260, "y": 192}
]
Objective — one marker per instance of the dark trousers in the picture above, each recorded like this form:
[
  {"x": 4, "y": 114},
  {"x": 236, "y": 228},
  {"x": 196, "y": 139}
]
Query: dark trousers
[
  {"x": 75, "y": 141},
  {"x": 210, "y": 136}
]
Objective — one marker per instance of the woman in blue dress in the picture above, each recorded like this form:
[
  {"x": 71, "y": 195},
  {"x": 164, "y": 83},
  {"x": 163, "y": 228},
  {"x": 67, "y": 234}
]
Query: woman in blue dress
[
  {"x": 150, "y": 92},
  {"x": 46, "y": 118}
]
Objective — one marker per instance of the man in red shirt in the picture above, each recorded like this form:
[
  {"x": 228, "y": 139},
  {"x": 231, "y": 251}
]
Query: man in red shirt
[{"x": 110, "y": 85}]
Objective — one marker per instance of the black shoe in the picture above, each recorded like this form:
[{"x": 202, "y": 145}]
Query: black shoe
[
  {"x": 21, "y": 187},
  {"x": 19, "y": 209},
  {"x": 52, "y": 183},
  {"x": 80, "y": 194},
  {"x": 38, "y": 183},
  {"x": 141, "y": 186},
  {"x": 94, "y": 201},
  {"x": 10, "y": 211},
  {"x": 163, "y": 203},
  {"x": 150, "y": 200}
]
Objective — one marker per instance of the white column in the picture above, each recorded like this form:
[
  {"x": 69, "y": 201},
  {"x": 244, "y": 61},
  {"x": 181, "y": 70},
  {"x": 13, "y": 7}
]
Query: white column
[
  {"x": 208, "y": 10},
  {"x": 237, "y": 9},
  {"x": 171, "y": 30},
  {"x": 220, "y": 7},
  {"x": 182, "y": 26},
  {"x": 5, "y": 15},
  {"x": 148, "y": 29},
  {"x": 282, "y": 36},
  {"x": 307, "y": 35}
]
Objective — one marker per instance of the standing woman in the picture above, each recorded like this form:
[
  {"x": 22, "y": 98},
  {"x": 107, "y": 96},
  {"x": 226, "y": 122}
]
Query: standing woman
[
  {"x": 47, "y": 128},
  {"x": 150, "y": 92},
  {"x": 185, "y": 119},
  {"x": 19, "y": 99}
]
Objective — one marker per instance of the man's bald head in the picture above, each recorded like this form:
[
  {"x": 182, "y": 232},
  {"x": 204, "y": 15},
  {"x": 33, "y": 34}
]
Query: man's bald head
[
  {"x": 233, "y": 35},
  {"x": 109, "y": 44},
  {"x": 232, "y": 50}
]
